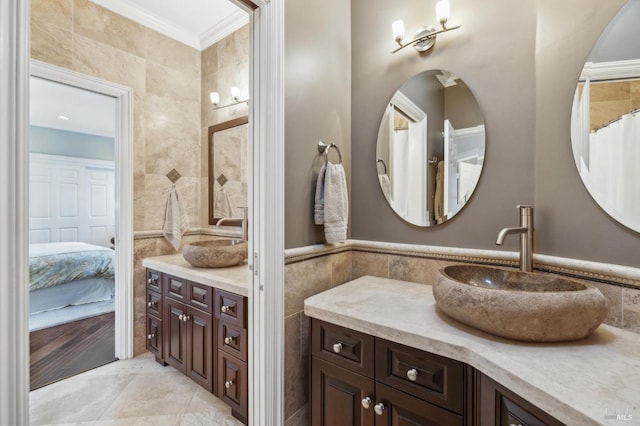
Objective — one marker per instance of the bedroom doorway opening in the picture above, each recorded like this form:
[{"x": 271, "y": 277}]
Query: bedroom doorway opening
[{"x": 78, "y": 320}]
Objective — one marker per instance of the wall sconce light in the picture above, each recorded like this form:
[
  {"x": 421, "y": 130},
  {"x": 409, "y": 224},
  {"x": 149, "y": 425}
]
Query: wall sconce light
[
  {"x": 235, "y": 95},
  {"x": 425, "y": 37}
]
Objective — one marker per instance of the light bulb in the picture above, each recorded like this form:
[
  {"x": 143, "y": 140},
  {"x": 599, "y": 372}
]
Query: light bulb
[
  {"x": 442, "y": 11},
  {"x": 398, "y": 31},
  {"x": 235, "y": 93},
  {"x": 215, "y": 98}
]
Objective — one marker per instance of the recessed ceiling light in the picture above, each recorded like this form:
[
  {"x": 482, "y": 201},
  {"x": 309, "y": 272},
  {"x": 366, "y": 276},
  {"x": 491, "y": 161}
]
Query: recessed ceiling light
[{"x": 63, "y": 117}]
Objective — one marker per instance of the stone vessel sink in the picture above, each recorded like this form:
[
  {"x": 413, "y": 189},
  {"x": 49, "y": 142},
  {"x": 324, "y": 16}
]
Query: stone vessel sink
[
  {"x": 527, "y": 306},
  {"x": 215, "y": 253}
]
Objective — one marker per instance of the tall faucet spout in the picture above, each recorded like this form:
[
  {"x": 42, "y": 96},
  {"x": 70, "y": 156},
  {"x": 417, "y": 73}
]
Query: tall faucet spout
[
  {"x": 506, "y": 231},
  {"x": 526, "y": 237}
]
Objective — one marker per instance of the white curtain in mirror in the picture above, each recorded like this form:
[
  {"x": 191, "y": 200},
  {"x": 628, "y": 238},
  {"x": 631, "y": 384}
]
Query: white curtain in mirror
[
  {"x": 613, "y": 172},
  {"x": 580, "y": 125}
]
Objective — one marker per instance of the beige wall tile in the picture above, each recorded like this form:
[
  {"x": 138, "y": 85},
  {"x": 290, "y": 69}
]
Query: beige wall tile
[
  {"x": 375, "y": 264},
  {"x": 415, "y": 269},
  {"x": 613, "y": 295},
  {"x": 139, "y": 339},
  {"x": 296, "y": 368},
  {"x": 209, "y": 59},
  {"x": 173, "y": 54},
  {"x": 631, "y": 309},
  {"x": 340, "y": 268},
  {"x": 174, "y": 84},
  {"x": 100, "y": 24},
  {"x": 51, "y": 43},
  {"x": 299, "y": 418},
  {"x": 610, "y": 91},
  {"x": 304, "y": 279},
  {"x": 104, "y": 61}
]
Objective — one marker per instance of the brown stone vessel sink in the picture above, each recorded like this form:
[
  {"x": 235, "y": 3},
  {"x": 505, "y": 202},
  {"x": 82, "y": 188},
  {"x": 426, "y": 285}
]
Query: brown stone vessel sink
[
  {"x": 220, "y": 253},
  {"x": 528, "y": 306}
]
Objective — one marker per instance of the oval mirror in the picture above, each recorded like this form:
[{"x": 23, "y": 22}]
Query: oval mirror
[
  {"x": 430, "y": 150},
  {"x": 605, "y": 119}
]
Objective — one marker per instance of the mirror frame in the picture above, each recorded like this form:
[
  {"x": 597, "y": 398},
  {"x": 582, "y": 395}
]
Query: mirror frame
[{"x": 212, "y": 132}]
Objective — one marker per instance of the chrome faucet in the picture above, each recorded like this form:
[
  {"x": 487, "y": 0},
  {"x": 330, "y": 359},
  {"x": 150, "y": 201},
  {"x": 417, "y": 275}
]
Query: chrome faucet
[
  {"x": 526, "y": 237},
  {"x": 245, "y": 222}
]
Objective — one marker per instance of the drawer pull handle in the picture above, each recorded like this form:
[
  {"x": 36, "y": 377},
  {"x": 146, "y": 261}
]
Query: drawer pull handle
[
  {"x": 337, "y": 347},
  {"x": 228, "y": 384},
  {"x": 225, "y": 309},
  {"x": 366, "y": 403},
  {"x": 379, "y": 408},
  {"x": 229, "y": 340},
  {"x": 150, "y": 336},
  {"x": 412, "y": 374}
]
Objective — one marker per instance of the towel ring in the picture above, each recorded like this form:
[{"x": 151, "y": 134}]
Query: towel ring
[{"x": 324, "y": 148}]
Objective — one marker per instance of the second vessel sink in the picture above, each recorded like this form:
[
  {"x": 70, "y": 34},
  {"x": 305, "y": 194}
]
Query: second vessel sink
[
  {"x": 219, "y": 253},
  {"x": 528, "y": 306}
]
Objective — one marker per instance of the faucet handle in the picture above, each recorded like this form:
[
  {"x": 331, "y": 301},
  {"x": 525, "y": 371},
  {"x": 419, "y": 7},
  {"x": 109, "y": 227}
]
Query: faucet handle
[{"x": 525, "y": 209}]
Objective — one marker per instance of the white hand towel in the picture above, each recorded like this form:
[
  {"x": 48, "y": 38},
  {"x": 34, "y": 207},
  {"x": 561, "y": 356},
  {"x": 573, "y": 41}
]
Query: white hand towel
[
  {"x": 336, "y": 204},
  {"x": 176, "y": 220},
  {"x": 318, "y": 208},
  {"x": 385, "y": 184},
  {"x": 224, "y": 206}
]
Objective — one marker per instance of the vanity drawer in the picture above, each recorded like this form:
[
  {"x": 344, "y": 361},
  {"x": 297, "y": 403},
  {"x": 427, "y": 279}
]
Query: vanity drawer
[
  {"x": 200, "y": 296},
  {"x": 430, "y": 377},
  {"x": 231, "y": 308},
  {"x": 175, "y": 287},
  {"x": 232, "y": 340},
  {"x": 154, "y": 280},
  {"x": 343, "y": 347},
  {"x": 233, "y": 384},
  {"x": 154, "y": 303}
]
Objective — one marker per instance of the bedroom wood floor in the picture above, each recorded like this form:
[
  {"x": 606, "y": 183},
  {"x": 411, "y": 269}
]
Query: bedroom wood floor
[
  {"x": 137, "y": 391},
  {"x": 68, "y": 349}
]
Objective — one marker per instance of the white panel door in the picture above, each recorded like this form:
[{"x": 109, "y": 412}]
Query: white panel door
[{"x": 100, "y": 215}]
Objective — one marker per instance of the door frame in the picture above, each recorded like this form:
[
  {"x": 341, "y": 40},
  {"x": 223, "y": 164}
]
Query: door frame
[{"x": 123, "y": 191}]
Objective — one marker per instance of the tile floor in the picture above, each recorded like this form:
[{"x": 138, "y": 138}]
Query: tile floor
[{"x": 134, "y": 392}]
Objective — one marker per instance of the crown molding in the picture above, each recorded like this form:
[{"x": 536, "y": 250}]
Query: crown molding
[
  {"x": 227, "y": 26},
  {"x": 595, "y": 71},
  {"x": 169, "y": 29}
]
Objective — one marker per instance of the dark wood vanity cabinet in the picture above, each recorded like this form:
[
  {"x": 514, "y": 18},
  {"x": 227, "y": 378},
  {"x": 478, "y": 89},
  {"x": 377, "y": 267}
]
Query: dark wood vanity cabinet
[
  {"x": 232, "y": 383},
  {"x": 499, "y": 406},
  {"x": 202, "y": 332},
  {"x": 359, "y": 380}
]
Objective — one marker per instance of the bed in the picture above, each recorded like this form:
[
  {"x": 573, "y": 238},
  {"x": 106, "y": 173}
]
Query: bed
[{"x": 69, "y": 274}]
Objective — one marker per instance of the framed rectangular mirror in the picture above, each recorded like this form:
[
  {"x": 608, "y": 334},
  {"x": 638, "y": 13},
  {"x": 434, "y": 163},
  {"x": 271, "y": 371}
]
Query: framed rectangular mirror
[{"x": 228, "y": 170}]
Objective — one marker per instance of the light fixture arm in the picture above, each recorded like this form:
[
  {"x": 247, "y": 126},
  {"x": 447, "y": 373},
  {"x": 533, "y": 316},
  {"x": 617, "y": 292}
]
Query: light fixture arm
[
  {"x": 232, "y": 104},
  {"x": 431, "y": 35}
]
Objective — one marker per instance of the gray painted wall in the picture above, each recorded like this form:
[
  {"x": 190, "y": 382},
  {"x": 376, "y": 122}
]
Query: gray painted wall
[
  {"x": 494, "y": 54},
  {"x": 619, "y": 41},
  {"x": 521, "y": 63},
  {"x": 317, "y": 106},
  {"x": 45, "y": 140}
]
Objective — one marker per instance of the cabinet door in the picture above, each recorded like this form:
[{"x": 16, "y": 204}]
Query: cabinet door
[
  {"x": 154, "y": 337},
  {"x": 200, "y": 348},
  {"x": 396, "y": 408},
  {"x": 501, "y": 407},
  {"x": 175, "y": 338},
  {"x": 337, "y": 395},
  {"x": 233, "y": 384}
]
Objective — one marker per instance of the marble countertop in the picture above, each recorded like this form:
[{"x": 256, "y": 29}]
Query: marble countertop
[
  {"x": 234, "y": 279},
  {"x": 580, "y": 382}
]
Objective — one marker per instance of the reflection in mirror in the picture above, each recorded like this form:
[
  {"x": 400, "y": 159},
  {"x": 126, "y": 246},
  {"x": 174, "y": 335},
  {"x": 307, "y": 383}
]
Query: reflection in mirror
[
  {"x": 605, "y": 119},
  {"x": 430, "y": 150},
  {"x": 228, "y": 170}
]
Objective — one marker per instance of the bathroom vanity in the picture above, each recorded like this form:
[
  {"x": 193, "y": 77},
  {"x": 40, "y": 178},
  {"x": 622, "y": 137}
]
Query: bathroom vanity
[
  {"x": 197, "y": 323},
  {"x": 383, "y": 354}
]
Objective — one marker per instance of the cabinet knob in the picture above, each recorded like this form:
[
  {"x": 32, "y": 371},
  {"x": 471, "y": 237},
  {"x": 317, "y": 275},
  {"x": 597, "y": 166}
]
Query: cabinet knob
[
  {"x": 412, "y": 374},
  {"x": 180, "y": 317},
  {"x": 379, "y": 408},
  {"x": 337, "y": 347},
  {"x": 225, "y": 308},
  {"x": 228, "y": 384},
  {"x": 186, "y": 318},
  {"x": 150, "y": 304},
  {"x": 229, "y": 340},
  {"x": 150, "y": 336},
  {"x": 366, "y": 403}
]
